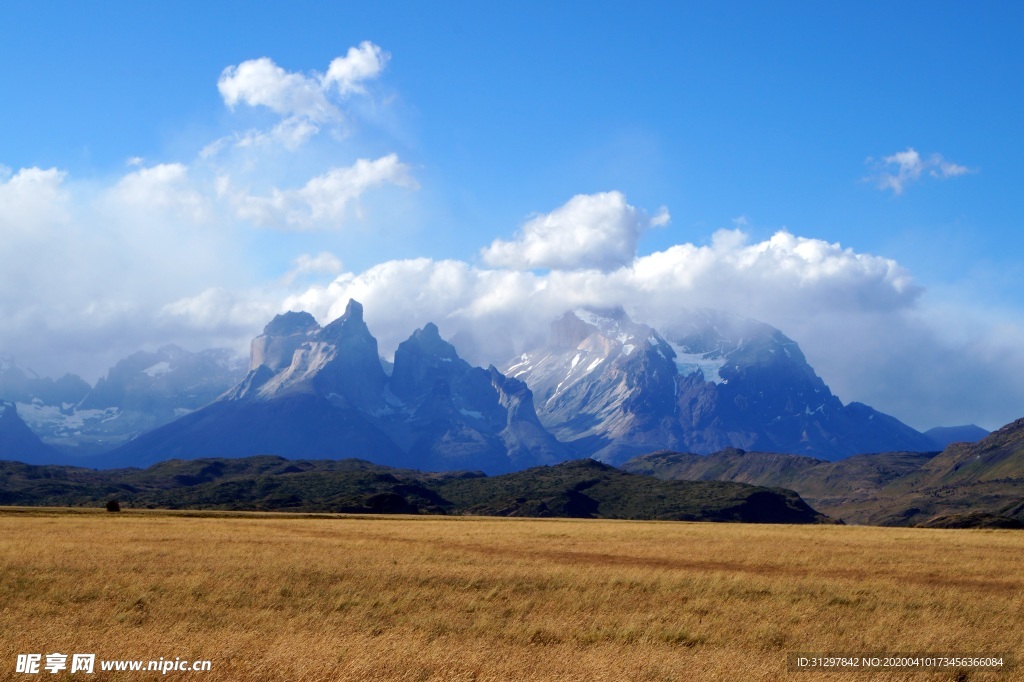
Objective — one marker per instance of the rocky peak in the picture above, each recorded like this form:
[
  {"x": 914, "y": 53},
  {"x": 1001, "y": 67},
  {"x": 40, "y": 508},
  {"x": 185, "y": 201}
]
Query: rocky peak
[
  {"x": 350, "y": 327},
  {"x": 280, "y": 339},
  {"x": 569, "y": 331},
  {"x": 422, "y": 360},
  {"x": 428, "y": 340},
  {"x": 290, "y": 323}
]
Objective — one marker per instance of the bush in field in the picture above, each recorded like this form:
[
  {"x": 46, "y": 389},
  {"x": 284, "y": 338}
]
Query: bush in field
[{"x": 113, "y": 506}]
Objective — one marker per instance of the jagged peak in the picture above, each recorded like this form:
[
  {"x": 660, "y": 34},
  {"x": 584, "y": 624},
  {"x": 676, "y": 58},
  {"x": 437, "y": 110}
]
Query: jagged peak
[
  {"x": 429, "y": 340},
  {"x": 354, "y": 310},
  {"x": 352, "y": 320}
]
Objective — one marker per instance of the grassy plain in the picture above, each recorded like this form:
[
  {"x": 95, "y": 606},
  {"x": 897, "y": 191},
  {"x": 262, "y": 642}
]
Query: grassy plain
[{"x": 310, "y": 599}]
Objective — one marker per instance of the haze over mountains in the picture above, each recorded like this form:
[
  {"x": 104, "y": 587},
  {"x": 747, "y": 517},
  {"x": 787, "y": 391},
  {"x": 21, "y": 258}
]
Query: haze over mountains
[
  {"x": 138, "y": 394},
  {"x": 602, "y": 385}
]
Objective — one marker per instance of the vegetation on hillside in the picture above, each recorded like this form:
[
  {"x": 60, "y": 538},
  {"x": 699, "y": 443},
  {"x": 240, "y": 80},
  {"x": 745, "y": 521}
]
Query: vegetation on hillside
[
  {"x": 581, "y": 489},
  {"x": 966, "y": 485}
]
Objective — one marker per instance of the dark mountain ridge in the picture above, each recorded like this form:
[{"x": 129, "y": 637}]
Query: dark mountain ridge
[
  {"x": 965, "y": 483},
  {"x": 575, "y": 489}
]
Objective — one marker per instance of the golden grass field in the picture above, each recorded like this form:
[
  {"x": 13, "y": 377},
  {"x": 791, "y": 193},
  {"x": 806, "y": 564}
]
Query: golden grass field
[{"x": 273, "y": 597}]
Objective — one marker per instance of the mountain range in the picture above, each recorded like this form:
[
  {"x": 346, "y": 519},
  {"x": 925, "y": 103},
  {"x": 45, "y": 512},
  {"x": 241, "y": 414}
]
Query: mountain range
[
  {"x": 138, "y": 394},
  {"x": 601, "y": 385},
  {"x": 323, "y": 392}
]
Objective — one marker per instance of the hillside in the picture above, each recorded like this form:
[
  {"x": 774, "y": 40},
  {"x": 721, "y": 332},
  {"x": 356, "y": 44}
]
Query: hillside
[
  {"x": 966, "y": 484},
  {"x": 579, "y": 489}
]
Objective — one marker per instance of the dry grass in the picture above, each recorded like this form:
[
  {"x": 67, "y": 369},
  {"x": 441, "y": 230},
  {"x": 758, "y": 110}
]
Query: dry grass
[{"x": 419, "y": 598}]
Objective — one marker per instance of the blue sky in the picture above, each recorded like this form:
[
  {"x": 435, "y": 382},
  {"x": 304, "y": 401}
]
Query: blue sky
[{"x": 144, "y": 203}]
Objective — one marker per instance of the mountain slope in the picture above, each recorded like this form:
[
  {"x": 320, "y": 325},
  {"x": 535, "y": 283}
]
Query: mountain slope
[
  {"x": 947, "y": 435},
  {"x": 838, "y": 488},
  {"x": 966, "y": 484},
  {"x": 18, "y": 442}
]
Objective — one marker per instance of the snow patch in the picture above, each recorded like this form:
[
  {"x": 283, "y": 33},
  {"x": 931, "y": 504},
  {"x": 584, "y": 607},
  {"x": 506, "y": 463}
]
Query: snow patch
[
  {"x": 50, "y": 417},
  {"x": 521, "y": 367},
  {"x": 158, "y": 370},
  {"x": 689, "y": 363},
  {"x": 590, "y": 317},
  {"x": 628, "y": 349}
]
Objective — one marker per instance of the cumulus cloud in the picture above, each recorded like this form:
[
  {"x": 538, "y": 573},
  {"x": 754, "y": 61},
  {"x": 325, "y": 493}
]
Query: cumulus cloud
[
  {"x": 897, "y": 171},
  {"x": 324, "y": 200},
  {"x": 31, "y": 197},
  {"x": 163, "y": 187},
  {"x": 84, "y": 265},
  {"x": 359, "y": 64},
  {"x": 323, "y": 263},
  {"x": 598, "y": 231},
  {"x": 305, "y": 102},
  {"x": 261, "y": 82}
]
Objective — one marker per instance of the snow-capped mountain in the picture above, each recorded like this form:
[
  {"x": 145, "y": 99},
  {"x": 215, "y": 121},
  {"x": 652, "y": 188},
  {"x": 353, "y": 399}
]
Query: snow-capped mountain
[
  {"x": 138, "y": 394},
  {"x": 614, "y": 388},
  {"x": 323, "y": 392}
]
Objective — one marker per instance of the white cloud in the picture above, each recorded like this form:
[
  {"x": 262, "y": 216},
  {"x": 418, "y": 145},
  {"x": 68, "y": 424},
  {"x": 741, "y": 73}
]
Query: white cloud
[
  {"x": 323, "y": 263},
  {"x": 897, "y": 171},
  {"x": 325, "y": 200},
  {"x": 776, "y": 280},
  {"x": 597, "y": 231},
  {"x": 30, "y": 198},
  {"x": 166, "y": 188},
  {"x": 305, "y": 103},
  {"x": 360, "y": 64},
  {"x": 92, "y": 269},
  {"x": 84, "y": 265},
  {"x": 261, "y": 82}
]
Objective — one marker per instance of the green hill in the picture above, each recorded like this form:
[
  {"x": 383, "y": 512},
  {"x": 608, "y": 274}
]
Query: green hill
[{"x": 581, "y": 489}]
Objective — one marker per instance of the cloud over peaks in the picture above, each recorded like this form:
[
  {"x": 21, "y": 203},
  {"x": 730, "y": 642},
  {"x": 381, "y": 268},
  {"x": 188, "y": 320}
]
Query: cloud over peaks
[
  {"x": 782, "y": 280},
  {"x": 590, "y": 231}
]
